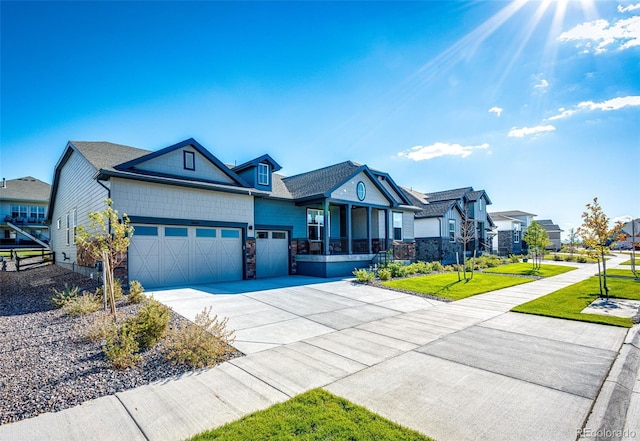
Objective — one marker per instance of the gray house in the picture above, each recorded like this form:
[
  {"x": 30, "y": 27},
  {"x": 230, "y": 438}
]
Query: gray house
[
  {"x": 198, "y": 220},
  {"x": 554, "y": 232},
  {"x": 510, "y": 226},
  {"x": 23, "y": 208}
]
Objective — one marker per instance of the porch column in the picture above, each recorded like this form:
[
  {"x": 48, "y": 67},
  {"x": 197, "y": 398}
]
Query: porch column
[
  {"x": 325, "y": 230},
  {"x": 369, "y": 247},
  {"x": 349, "y": 232},
  {"x": 387, "y": 214}
]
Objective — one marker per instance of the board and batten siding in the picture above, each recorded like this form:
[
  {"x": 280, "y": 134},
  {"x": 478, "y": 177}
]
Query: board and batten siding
[
  {"x": 77, "y": 189},
  {"x": 272, "y": 212},
  {"x": 172, "y": 163},
  {"x": 137, "y": 198},
  {"x": 348, "y": 192},
  {"x": 408, "y": 225}
]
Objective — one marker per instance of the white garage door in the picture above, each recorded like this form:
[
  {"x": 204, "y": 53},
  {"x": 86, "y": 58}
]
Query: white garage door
[
  {"x": 163, "y": 255},
  {"x": 272, "y": 253}
]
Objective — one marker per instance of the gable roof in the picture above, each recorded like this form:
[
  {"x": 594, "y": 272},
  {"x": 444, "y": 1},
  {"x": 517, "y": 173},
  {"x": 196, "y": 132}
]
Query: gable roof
[
  {"x": 430, "y": 209},
  {"x": 473, "y": 196},
  {"x": 497, "y": 217},
  {"x": 318, "y": 183},
  {"x": 548, "y": 225},
  {"x": 447, "y": 195},
  {"x": 27, "y": 188},
  {"x": 254, "y": 163},
  {"x": 106, "y": 155},
  {"x": 511, "y": 213}
]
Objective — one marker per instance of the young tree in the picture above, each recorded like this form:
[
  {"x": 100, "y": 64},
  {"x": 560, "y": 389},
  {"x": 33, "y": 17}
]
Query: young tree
[
  {"x": 573, "y": 240},
  {"x": 538, "y": 240},
  {"x": 107, "y": 240},
  {"x": 467, "y": 234},
  {"x": 597, "y": 235}
]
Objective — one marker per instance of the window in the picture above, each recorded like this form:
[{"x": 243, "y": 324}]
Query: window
[
  {"x": 278, "y": 235},
  {"x": 19, "y": 211},
  {"x": 516, "y": 233},
  {"x": 230, "y": 234},
  {"x": 41, "y": 214},
  {"x": 75, "y": 224},
  {"x": 59, "y": 223},
  {"x": 397, "y": 225},
  {"x": 452, "y": 230},
  {"x": 205, "y": 232},
  {"x": 141, "y": 230},
  {"x": 68, "y": 229},
  {"x": 175, "y": 232},
  {"x": 481, "y": 204},
  {"x": 315, "y": 224},
  {"x": 263, "y": 174},
  {"x": 189, "y": 160},
  {"x": 262, "y": 235}
]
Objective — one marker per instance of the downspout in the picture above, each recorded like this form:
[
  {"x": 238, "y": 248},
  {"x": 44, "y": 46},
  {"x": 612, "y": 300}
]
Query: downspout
[{"x": 440, "y": 244}]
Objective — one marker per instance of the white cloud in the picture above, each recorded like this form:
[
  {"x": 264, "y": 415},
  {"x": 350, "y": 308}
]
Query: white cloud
[
  {"x": 606, "y": 106},
  {"x": 526, "y": 131},
  {"x": 622, "y": 34},
  {"x": 629, "y": 8},
  {"x": 426, "y": 152},
  {"x": 496, "y": 110},
  {"x": 542, "y": 84}
]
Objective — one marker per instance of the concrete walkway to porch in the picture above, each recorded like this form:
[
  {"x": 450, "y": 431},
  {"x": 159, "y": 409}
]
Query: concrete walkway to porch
[{"x": 454, "y": 371}]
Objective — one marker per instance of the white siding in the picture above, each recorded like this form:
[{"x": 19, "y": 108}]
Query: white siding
[
  {"x": 76, "y": 189},
  {"x": 172, "y": 163},
  {"x": 390, "y": 190},
  {"x": 348, "y": 192},
  {"x": 427, "y": 227},
  {"x": 408, "y": 219},
  {"x": 137, "y": 198}
]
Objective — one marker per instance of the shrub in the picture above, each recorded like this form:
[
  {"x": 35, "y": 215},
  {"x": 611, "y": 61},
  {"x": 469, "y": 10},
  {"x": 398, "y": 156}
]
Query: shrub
[
  {"x": 202, "y": 343},
  {"x": 84, "y": 304},
  {"x": 436, "y": 266},
  {"x": 421, "y": 267},
  {"x": 60, "y": 298},
  {"x": 449, "y": 268},
  {"x": 557, "y": 257},
  {"x": 571, "y": 258},
  {"x": 582, "y": 259},
  {"x": 136, "y": 292},
  {"x": 100, "y": 327},
  {"x": 121, "y": 346},
  {"x": 117, "y": 290},
  {"x": 384, "y": 274},
  {"x": 398, "y": 269},
  {"x": 151, "y": 323},
  {"x": 364, "y": 275},
  {"x": 514, "y": 259}
]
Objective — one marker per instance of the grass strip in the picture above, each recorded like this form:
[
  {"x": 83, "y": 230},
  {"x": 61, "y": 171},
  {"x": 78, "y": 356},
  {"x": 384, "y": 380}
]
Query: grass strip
[
  {"x": 567, "y": 303},
  {"x": 314, "y": 415},
  {"x": 446, "y": 285},
  {"x": 620, "y": 272},
  {"x": 526, "y": 269}
]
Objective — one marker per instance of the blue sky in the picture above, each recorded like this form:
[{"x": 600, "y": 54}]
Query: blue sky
[{"x": 536, "y": 102}]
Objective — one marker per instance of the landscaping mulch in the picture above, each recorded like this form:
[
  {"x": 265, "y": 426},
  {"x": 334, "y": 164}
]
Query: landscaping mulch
[{"x": 46, "y": 362}]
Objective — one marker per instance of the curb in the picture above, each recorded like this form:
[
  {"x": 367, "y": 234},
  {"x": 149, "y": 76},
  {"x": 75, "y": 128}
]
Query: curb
[{"x": 609, "y": 412}]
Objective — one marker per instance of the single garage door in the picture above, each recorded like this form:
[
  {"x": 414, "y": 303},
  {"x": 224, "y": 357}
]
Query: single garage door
[
  {"x": 166, "y": 255},
  {"x": 272, "y": 254}
]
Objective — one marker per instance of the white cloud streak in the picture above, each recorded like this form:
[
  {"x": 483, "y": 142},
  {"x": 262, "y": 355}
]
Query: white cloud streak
[
  {"x": 623, "y": 9},
  {"x": 496, "y": 110},
  {"x": 530, "y": 131},
  {"x": 605, "y": 106},
  {"x": 439, "y": 149},
  {"x": 600, "y": 35},
  {"x": 542, "y": 84}
]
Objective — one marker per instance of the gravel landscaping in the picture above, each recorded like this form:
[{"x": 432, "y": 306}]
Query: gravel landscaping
[{"x": 46, "y": 362}]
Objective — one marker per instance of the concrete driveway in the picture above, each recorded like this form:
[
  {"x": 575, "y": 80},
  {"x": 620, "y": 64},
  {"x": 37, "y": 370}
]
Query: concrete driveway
[{"x": 267, "y": 313}]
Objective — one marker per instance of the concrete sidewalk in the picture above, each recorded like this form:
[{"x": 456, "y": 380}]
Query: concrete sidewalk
[{"x": 454, "y": 371}]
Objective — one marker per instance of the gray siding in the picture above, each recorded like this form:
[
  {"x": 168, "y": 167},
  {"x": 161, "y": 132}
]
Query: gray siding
[
  {"x": 76, "y": 190},
  {"x": 348, "y": 192},
  {"x": 283, "y": 213}
]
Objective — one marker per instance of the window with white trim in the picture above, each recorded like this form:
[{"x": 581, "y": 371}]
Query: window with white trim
[
  {"x": 68, "y": 229},
  {"x": 74, "y": 225},
  {"x": 315, "y": 224},
  {"x": 263, "y": 174},
  {"x": 452, "y": 230},
  {"x": 516, "y": 233}
]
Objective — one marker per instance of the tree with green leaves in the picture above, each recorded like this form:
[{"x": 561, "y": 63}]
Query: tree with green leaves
[
  {"x": 538, "y": 240},
  {"x": 573, "y": 241},
  {"x": 598, "y": 235},
  {"x": 106, "y": 240}
]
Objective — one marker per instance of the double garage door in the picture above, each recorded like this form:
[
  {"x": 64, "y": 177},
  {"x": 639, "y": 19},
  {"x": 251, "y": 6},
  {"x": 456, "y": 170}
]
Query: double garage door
[{"x": 166, "y": 255}]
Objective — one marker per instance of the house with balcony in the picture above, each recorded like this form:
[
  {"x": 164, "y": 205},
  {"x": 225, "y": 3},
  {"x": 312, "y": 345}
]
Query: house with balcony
[
  {"x": 198, "y": 220},
  {"x": 23, "y": 210},
  {"x": 447, "y": 218},
  {"x": 510, "y": 226}
]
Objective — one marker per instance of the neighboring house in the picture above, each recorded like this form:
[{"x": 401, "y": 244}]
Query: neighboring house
[
  {"x": 197, "y": 220},
  {"x": 23, "y": 208},
  {"x": 510, "y": 226},
  {"x": 630, "y": 235},
  {"x": 438, "y": 226},
  {"x": 554, "y": 232}
]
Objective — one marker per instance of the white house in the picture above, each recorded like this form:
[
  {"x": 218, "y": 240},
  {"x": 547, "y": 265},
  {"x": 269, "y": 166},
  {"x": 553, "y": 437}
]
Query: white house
[{"x": 510, "y": 226}]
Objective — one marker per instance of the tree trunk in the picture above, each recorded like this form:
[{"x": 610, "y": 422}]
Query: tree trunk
[
  {"x": 458, "y": 265},
  {"x": 604, "y": 275},
  {"x": 473, "y": 264},
  {"x": 599, "y": 275}
]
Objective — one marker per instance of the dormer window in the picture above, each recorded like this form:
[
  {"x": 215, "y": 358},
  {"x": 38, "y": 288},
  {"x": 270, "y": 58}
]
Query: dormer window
[
  {"x": 189, "y": 160},
  {"x": 263, "y": 174}
]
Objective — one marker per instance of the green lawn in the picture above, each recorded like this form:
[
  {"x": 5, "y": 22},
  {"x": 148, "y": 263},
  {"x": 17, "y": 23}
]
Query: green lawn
[
  {"x": 525, "y": 269},
  {"x": 628, "y": 262},
  {"x": 22, "y": 253},
  {"x": 446, "y": 285},
  {"x": 314, "y": 415},
  {"x": 568, "y": 302},
  {"x": 620, "y": 272}
]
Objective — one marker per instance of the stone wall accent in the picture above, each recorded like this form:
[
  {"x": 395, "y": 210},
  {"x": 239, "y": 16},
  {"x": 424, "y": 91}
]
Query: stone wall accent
[
  {"x": 506, "y": 245},
  {"x": 404, "y": 251},
  {"x": 250, "y": 254},
  {"x": 292, "y": 255},
  {"x": 432, "y": 249}
]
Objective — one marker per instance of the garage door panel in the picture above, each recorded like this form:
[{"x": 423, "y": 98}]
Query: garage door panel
[{"x": 272, "y": 254}]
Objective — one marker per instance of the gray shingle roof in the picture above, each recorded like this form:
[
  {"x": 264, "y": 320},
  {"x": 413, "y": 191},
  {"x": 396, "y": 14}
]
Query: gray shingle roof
[
  {"x": 25, "y": 189},
  {"x": 318, "y": 182},
  {"x": 448, "y": 195},
  {"x": 106, "y": 155},
  {"x": 430, "y": 209},
  {"x": 511, "y": 213},
  {"x": 548, "y": 225}
]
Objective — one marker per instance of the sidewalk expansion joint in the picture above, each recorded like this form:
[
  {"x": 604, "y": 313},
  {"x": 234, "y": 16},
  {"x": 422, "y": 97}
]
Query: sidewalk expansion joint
[{"x": 132, "y": 418}]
